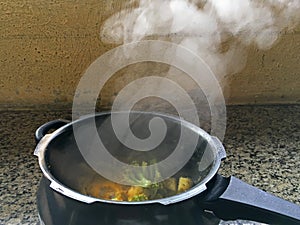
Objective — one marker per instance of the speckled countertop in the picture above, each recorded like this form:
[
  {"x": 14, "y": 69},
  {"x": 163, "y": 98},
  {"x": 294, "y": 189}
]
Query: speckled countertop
[{"x": 262, "y": 144}]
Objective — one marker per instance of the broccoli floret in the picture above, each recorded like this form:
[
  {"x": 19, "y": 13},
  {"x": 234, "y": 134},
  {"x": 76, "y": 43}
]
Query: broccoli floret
[
  {"x": 140, "y": 178},
  {"x": 140, "y": 197}
]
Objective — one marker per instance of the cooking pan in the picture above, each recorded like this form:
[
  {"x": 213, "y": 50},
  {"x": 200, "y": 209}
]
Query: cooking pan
[{"x": 64, "y": 164}]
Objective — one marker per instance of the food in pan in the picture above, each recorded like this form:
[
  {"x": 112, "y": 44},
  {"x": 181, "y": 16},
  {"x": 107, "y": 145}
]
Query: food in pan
[{"x": 143, "y": 191}]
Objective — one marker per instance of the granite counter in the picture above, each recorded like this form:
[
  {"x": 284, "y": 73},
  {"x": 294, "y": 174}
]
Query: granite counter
[{"x": 262, "y": 144}]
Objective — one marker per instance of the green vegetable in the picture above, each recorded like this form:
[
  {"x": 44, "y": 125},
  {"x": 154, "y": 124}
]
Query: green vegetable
[
  {"x": 143, "y": 176},
  {"x": 145, "y": 186},
  {"x": 140, "y": 197}
]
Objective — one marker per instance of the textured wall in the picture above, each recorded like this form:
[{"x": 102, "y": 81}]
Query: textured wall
[
  {"x": 271, "y": 76},
  {"x": 45, "y": 46}
]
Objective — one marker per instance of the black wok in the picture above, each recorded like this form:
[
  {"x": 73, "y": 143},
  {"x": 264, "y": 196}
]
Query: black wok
[{"x": 63, "y": 164}]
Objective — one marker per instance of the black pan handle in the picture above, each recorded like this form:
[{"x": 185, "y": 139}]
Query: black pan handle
[
  {"x": 231, "y": 199},
  {"x": 43, "y": 130}
]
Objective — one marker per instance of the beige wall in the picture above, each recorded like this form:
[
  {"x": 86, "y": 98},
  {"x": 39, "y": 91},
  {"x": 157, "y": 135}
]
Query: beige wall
[
  {"x": 271, "y": 76},
  {"x": 45, "y": 46}
]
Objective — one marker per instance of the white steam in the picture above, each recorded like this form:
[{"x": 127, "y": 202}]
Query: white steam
[{"x": 216, "y": 30}]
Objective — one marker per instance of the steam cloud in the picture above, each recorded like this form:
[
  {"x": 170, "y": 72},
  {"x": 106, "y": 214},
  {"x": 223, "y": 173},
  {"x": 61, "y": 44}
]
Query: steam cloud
[{"x": 216, "y": 30}]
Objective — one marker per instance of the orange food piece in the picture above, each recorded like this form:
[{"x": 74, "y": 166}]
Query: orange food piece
[{"x": 107, "y": 190}]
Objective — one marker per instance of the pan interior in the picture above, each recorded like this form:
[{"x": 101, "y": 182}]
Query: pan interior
[{"x": 66, "y": 163}]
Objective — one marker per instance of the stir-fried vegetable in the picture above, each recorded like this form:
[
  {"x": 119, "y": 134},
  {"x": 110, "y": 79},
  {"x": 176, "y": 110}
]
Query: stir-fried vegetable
[
  {"x": 143, "y": 190},
  {"x": 144, "y": 175}
]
